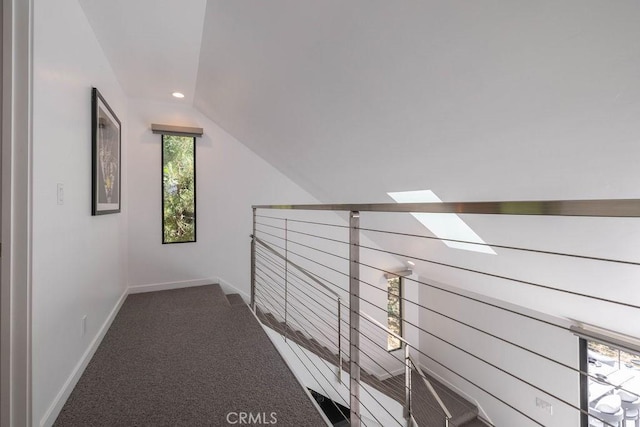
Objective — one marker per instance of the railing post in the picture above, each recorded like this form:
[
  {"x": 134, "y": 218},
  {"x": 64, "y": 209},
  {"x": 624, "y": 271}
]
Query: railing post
[
  {"x": 354, "y": 316},
  {"x": 407, "y": 385},
  {"x": 286, "y": 278},
  {"x": 339, "y": 341},
  {"x": 253, "y": 263}
]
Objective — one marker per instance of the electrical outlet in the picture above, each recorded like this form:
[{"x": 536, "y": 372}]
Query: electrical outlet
[
  {"x": 83, "y": 326},
  {"x": 544, "y": 406},
  {"x": 61, "y": 194}
]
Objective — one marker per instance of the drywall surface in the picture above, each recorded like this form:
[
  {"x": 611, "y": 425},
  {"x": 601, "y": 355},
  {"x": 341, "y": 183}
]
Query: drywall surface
[
  {"x": 78, "y": 259},
  {"x": 229, "y": 180},
  {"x": 512, "y": 374}
]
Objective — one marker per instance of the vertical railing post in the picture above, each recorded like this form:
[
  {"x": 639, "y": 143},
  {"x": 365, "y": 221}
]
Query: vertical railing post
[
  {"x": 354, "y": 316},
  {"x": 339, "y": 341},
  {"x": 286, "y": 278},
  {"x": 253, "y": 263},
  {"x": 407, "y": 385}
]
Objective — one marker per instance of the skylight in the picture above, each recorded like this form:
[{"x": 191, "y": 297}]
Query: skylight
[{"x": 443, "y": 225}]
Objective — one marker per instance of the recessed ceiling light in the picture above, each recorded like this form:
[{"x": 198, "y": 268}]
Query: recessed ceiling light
[
  {"x": 178, "y": 94},
  {"x": 411, "y": 263}
]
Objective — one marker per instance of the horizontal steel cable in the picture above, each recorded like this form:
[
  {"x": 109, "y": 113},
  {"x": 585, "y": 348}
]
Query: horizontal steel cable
[
  {"x": 334, "y": 329},
  {"x": 319, "y": 383},
  {"x": 266, "y": 255},
  {"x": 325, "y": 363},
  {"x": 304, "y": 222},
  {"x": 330, "y": 339},
  {"x": 493, "y": 245},
  {"x": 479, "y": 301},
  {"x": 498, "y": 276},
  {"x": 533, "y": 352}
]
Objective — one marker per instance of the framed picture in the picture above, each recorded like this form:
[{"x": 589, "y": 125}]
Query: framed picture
[{"x": 106, "y": 162}]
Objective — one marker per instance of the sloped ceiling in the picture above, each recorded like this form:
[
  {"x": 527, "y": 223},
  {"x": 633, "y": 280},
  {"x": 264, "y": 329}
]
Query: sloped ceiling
[
  {"x": 474, "y": 100},
  {"x": 153, "y": 46}
]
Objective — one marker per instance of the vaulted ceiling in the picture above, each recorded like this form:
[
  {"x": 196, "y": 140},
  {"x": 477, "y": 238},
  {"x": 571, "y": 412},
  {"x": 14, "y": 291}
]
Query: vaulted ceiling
[{"x": 474, "y": 100}]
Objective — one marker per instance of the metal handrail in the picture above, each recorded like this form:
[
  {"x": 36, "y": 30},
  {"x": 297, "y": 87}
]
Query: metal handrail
[
  {"x": 596, "y": 208},
  {"x": 301, "y": 269},
  {"x": 577, "y": 208},
  {"x": 432, "y": 390},
  {"x": 381, "y": 326},
  {"x": 410, "y": 360}
]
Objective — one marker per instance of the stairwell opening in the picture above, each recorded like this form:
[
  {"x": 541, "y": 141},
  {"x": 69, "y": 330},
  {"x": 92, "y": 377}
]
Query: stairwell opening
[{"x": 334, "y": 411}]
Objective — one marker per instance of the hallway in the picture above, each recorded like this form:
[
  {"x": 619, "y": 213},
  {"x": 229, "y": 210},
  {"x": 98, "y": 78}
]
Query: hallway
[{"x": 186, "y": 357}]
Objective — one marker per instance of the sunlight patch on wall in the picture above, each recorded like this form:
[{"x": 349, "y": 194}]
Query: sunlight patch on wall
[{"x": 444, "y": 226}]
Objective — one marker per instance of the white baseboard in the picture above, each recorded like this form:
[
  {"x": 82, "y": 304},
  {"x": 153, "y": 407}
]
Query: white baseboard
[
  {"x": 54, "y": 410},
  {"x": 386, "y": 375},
  {"x": 228, "y": 288},
  {"x": 137, "y": 289}
]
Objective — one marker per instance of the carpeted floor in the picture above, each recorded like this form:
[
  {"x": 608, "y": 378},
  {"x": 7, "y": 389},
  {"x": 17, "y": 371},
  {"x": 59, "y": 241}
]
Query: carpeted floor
[{"x": 187, "y": 357}]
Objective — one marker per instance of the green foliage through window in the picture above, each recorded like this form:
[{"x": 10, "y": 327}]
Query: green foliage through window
[
  {"x": 394, "y": 312},
  {"x": 178, "y": 189}
]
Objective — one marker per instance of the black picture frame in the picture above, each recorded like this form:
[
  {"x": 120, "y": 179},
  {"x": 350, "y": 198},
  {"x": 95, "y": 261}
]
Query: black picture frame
[{"x": 106, "y": 153}]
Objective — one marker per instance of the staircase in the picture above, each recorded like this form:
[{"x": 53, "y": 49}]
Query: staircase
[{"x": 464, "y": 413}]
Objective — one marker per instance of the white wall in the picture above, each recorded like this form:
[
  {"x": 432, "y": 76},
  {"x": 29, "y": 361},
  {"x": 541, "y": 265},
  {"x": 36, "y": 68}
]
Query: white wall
[
  {"x": 229, "y": 179},
  {"x": 78, "y": 260},
  {"x": 554, "y": 343}
]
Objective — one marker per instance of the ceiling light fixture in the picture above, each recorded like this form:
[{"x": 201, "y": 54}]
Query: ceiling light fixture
[
  {"x": 411, "y": 263},
  {"x": 178, "y": 94}
]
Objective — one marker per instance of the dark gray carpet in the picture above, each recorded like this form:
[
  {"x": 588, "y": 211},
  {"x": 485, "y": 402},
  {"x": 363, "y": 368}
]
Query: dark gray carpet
[{"x": 186, "y": 357}]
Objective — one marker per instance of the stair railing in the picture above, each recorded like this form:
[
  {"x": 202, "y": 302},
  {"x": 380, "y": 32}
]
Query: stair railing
[
  {"x": 433, "y": 392},
  {"x": 465, "y": 273},
  {"x": 354, "y": 371},
  {"x": 408, "y": 362},
  {"x": 311, "y": 277},
  {"x": 408, "y": 359}
]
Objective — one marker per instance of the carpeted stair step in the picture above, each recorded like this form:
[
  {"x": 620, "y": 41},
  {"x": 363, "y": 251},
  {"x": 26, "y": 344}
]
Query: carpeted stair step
[
  {"x": 302, "y": 341},
  {"x": 300, "y": 336},
  {"x": 475, "y": 422},
  {"x": 324, "y": 351},
  {"x": 310, "y": 345},
  {"x": 274, "y": 321},
  {"x": 466, "y": 419},
  {"x": 235, "y": 299},
  {"x": 464, "y": 412},
  {"x": 219, "y": 297}
]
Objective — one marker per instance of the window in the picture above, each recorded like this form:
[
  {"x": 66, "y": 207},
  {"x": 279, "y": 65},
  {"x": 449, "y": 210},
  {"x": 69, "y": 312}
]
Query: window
[
  {"x": 394, "y": 312},
  {"x": 178, "y": 189},
  {"x": 613, "y": 380}
]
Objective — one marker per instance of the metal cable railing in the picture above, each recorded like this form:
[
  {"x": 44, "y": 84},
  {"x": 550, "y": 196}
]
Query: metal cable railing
[
  {"x": 478, "y": 329},
  {"x": 267, "y": 294},
  {"x": 267, "y": 276},
  {"x": 304, "y": 263}
]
